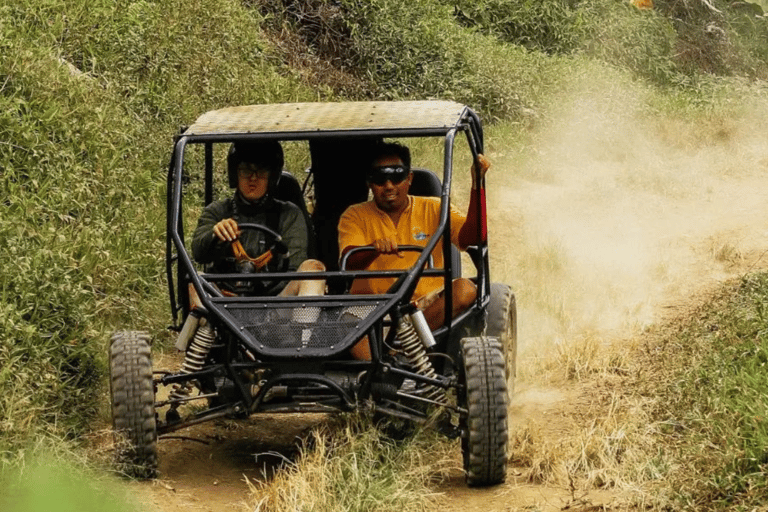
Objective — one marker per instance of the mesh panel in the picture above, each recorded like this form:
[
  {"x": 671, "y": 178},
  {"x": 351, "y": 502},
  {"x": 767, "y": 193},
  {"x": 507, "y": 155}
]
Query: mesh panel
[{"x": 299, "y": 328}]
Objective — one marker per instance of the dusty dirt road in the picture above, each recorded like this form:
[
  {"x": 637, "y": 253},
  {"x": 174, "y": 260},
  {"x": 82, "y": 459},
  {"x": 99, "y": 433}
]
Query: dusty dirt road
[{"x": 602, "y": 229}]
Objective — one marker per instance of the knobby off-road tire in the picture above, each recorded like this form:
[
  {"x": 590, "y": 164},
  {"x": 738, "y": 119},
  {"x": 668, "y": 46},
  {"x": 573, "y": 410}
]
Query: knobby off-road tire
[
  {"x": 501, "y": 323},
  {"x": 484, "y": 430},
  {"x": 133, "y": 403}
]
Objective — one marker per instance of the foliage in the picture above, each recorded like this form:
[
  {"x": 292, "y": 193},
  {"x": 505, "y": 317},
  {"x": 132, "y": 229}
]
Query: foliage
[
  {"x": 406, "y": 50},
  {"x": 642, "y": 42},
  {"x": 667, "y": 45},
  {"x": 548, "y": 26},
  {"x": 52, "y": 478},
  {"x": 85, "y": 89},
  {"x": 92, "y": 92},
  {"x": 57, "y": 244},
  {"x": 712, "y": 408}
]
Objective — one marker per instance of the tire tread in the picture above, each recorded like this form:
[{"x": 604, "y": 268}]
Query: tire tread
[
  {"x": 133, "y": 402},
  {"x": 485, "y": 446}
]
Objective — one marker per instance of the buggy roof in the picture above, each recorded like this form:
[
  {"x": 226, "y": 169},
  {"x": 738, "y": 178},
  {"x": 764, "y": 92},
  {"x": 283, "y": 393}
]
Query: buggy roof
[{"x": 395, "y": 117}]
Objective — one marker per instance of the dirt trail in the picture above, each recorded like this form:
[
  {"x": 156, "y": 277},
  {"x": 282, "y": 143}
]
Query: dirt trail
[{"x": 605, "y": 225}]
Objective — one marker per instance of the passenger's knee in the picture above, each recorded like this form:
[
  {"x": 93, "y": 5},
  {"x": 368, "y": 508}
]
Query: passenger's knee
[
  {"x": 464, "y": 293},
  {"x": 311, "y": 266}
]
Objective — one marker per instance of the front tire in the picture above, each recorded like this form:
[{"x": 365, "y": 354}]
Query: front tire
[
  {"x": 502, "y": 324},
  {"x": 133, "y": 403},
  {"x": 483, "y": 392}
]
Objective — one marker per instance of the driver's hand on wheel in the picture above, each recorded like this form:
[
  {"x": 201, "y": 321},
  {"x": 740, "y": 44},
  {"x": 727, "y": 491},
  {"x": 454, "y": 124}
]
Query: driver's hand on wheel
[
  {"x": 386, "y": 246},
  {"x": 226, "y": 230}
]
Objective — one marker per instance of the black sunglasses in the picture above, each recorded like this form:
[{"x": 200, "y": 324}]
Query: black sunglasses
[{"x": 394, "y": 173}]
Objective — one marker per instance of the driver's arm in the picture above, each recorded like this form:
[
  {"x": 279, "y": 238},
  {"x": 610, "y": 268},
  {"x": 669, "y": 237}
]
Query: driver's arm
[{"x": 208, "y": 247}]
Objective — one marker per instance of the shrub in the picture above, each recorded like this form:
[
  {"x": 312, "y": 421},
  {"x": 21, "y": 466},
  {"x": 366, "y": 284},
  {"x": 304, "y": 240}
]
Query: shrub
[
  {"x": 712, "y": 408},
  {"x": 548, "y": 26},
  {"x": 91, "y": 94},
  {"x": 721, "y": 38},
  {"x": 642, "y": 42}
]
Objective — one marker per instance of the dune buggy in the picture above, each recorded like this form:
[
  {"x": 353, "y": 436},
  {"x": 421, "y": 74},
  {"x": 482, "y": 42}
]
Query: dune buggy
[{"x": 249, "y": 355}]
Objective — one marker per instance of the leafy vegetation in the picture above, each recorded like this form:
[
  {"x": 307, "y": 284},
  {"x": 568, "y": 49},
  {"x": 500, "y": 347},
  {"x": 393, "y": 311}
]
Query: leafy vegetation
[
  {"x": 711, "y": 406},
  {"x": 670, "y": 44},
  {"x": 85, "y": 90},
  {"x": 62, "y": 482},
  {"x": 91, "y": 94}
]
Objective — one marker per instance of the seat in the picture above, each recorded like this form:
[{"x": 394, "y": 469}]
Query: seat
[
  {"x": 339, "y": 183},
  {"x": 426, "y": 184},
  {"x": 289, "y": 190}
]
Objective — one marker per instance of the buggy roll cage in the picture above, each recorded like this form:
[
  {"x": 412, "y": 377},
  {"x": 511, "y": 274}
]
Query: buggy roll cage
[{"x": 320, "y": 122}]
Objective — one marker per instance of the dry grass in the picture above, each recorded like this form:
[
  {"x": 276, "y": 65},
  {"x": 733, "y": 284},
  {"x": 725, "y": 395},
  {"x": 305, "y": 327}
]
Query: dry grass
[
  {"x": 350, "y": 465},
  {"x": 656, "y": 424},
  {"x": 601, "y": 434}
]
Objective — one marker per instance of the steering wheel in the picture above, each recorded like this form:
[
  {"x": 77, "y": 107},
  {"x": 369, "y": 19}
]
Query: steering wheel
[{"x": 276, "y": 249}]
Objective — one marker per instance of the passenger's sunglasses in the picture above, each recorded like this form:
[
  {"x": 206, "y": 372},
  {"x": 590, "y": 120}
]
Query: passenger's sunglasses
[{"x": 394, "y": 173}]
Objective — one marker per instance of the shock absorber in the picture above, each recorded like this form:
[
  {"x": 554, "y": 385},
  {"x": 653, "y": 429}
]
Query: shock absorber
[
  {"x": 414, "y": 349},
  {"x": 194, "y": 359}
]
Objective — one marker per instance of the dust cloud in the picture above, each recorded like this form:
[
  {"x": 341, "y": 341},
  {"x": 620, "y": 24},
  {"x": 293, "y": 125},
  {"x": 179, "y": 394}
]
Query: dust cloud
[{"x": 614, "y": 214}]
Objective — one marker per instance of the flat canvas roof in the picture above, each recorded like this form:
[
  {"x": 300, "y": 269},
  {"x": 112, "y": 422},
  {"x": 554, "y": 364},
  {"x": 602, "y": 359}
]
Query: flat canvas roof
[{"x": 330, "y": 117}]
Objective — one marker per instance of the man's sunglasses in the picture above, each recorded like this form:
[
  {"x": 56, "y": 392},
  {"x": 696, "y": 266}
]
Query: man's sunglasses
[{"x": 394, "y": 173}]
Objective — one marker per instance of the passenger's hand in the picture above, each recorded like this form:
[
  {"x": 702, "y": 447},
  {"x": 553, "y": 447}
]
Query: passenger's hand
[
  {"x": 226, "y": 230},
  {"x": 386, "y": 246},
  {"x": 485, "y": 164}
]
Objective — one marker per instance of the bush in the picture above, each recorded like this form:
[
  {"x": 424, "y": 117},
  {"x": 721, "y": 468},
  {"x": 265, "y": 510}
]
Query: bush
[
  {"x": 398, "y": 49},
  {"x": 667, "y": 45},
  {"x": 720, "y": 38},
  {"x": 713, "y": 407},
  {"x": 91, "y": 96},
  {"x": 547, "y": 26},
  {"x": 642, "y": 42}
]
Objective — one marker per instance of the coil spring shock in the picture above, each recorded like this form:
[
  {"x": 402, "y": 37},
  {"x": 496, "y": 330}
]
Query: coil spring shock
[
  {"x": 194, "y": 359},
  {"x": 414, "y": 350}
]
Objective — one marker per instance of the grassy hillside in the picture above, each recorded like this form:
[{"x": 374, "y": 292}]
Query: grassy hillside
[
  {"x": 91, "y": 94},
  {"x": 707, "y": 435}
]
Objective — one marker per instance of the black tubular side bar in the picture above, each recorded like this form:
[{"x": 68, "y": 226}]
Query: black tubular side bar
[
  {"x": 170, "y": 257},
  {"x": 483, "y": 265},
  {"x": 208, "y": 173},
  {"x": 445, "y": 221}
]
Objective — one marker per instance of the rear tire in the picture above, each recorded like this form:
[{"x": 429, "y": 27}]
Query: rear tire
[
  {"x": 133, "y": 403},
  {"x": 502, "y": 324},
  {"x": 484, "y": 394}
]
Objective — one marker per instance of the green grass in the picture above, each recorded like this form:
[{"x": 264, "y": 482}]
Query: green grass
[
  {"x": 710, "y": 392},
  {"x": 51, "y": 480}
]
